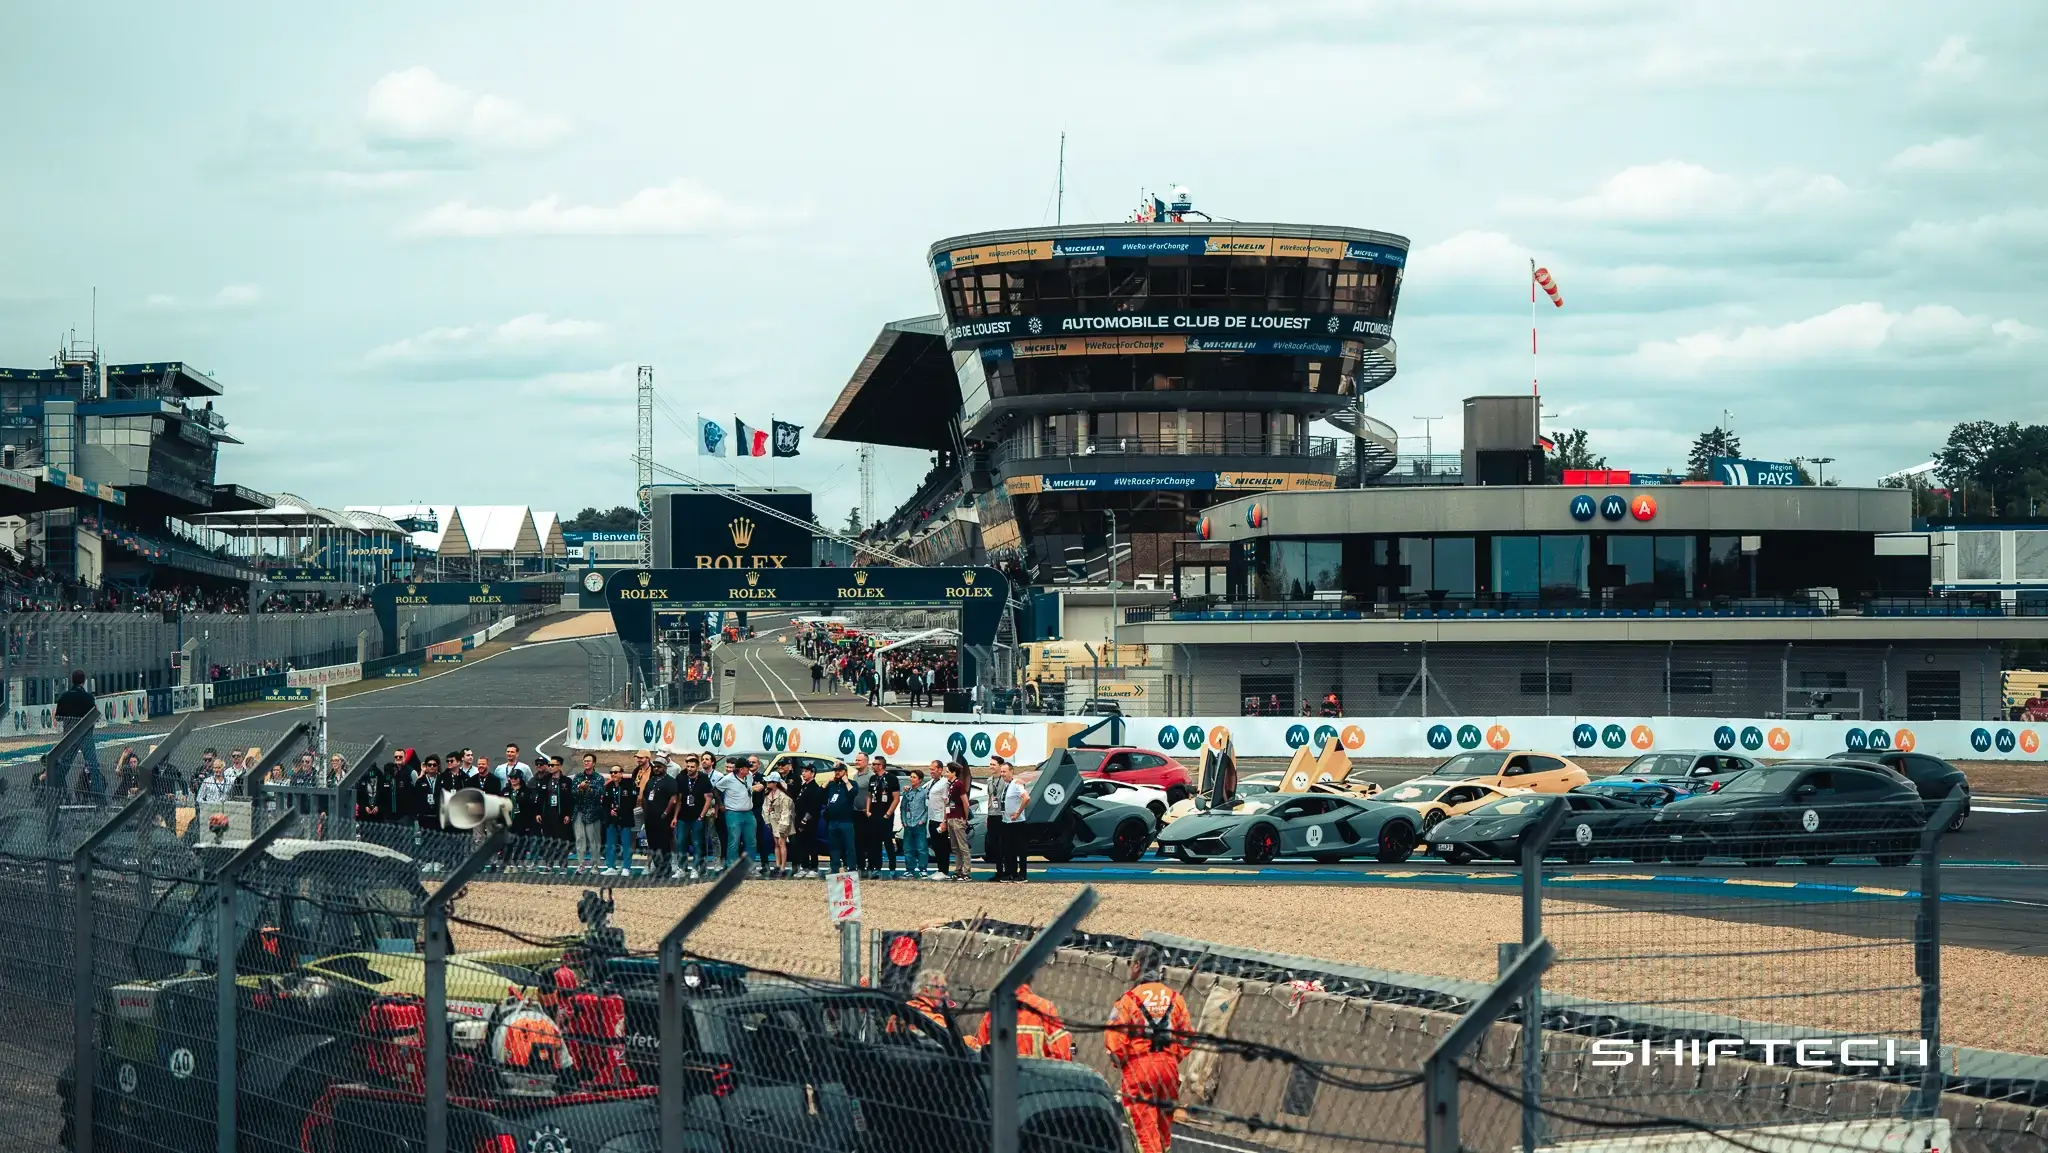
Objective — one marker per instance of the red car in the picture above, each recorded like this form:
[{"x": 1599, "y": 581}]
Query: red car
[{"x": 1135, "y": 766}]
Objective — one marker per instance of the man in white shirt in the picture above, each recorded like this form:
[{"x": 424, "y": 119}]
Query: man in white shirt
[
  {"x": 514, "y": 765},
  {"x": 736, "y": 797},
  {"x": 1015, "y": 797}
]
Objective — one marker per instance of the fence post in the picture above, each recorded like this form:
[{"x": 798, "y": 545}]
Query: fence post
[
  {"x": 227, "y": 943},
  {"x": 1927, "y": 953},
  {"x": 1002, "y": 1024},
  {"x": 436, "y": 977},
  {"x": 271, "y": 756},
  {"x": 670, "y": 1031},
  {"x": 85, "y": 1057},
  {"x": 1440, "y": 1068},
  {"x": 1535, "y": 844}
]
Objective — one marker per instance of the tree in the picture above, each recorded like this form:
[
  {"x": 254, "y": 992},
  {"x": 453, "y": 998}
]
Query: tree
[
  {"x": 623, "y": 518},
  {"x": 2004, "y": 467},
  {"x": 1570, "y": 451},
  {"x": 1699, "y": 464},
  {"x": 853, "y": 526}
]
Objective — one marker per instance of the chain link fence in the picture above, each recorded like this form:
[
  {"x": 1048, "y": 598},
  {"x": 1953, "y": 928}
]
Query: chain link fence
[
  {"x": 271, "y": 967},
  {"x": 1416, "y": 679}
]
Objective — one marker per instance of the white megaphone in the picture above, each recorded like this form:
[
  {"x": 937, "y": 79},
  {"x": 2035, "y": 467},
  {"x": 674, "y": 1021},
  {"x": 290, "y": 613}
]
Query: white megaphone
[{"x": 468, "y": 808}]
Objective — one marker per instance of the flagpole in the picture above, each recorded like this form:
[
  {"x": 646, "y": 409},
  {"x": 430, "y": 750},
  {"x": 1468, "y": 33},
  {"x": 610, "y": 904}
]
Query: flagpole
[{"x": 1533, "y": 390}]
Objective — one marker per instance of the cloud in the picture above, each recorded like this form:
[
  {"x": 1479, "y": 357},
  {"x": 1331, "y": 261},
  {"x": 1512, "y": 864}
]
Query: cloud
[
  {"x": 1952, "y": 64},
  {"x": 1675, "y": 191},
  {"x": 1852, "y": 332},
  {"x": 2000, "y": 234},
  {"x": 524, "y": 346},
  {"x": 228, "y": 298},
  {"x": 1470, "y": 255},
  {"x": 1948, "y": 154},
  {"x": 415, "y": 108},
  {"x": 679, "y": 208}
]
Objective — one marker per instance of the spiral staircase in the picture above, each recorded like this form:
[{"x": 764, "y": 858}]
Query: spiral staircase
[{"x": 1377, "y": 444}]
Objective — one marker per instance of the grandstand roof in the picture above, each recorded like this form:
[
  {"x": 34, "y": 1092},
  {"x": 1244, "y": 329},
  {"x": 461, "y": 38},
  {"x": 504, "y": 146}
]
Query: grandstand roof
[
  {"x": 443, "y": 516},
  {"x": 287, "y": 511},
  {"x": 903, "y": 393}
]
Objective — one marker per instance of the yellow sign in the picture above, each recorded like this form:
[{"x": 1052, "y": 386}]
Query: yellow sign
[
  {"x": 1308, "y": 249},
  {"x": 1281, "y": 481},
  {"x": 1240, "y": 246}
]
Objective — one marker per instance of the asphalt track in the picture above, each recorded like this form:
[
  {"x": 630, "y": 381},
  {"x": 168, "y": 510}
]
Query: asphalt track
[{"x": 1994, "y": 876}]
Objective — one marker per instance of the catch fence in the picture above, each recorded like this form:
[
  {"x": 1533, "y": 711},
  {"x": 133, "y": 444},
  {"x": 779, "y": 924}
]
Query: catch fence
[{"x": 308, "y": 954}]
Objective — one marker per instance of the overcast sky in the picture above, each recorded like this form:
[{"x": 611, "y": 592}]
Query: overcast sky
[{"x": 423, "y": 246}]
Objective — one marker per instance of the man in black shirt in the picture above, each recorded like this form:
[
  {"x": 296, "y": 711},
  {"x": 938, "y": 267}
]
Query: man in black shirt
[
  {"x": 619, "y": 799},
  {"x": 427, "y": 789},
  {"x": 693, "y": 788},
  {"x": 72, "y": 704},
  {"x": 884, "y": 794},
  {"x": 810, "y": 805},
  {"x": 555, "y": 800},
  {"x": 657, "y": 815}
]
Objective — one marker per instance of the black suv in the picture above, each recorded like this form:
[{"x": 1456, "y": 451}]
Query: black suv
[
  {"x": 1932, "y": 777},
  {"x": 1813, "y": 810}
]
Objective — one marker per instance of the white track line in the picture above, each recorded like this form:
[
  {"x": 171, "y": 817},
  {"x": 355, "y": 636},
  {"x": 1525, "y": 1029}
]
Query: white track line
[
  {"x": 795, "y": 698},
  {"x": 765, "y": 686}
]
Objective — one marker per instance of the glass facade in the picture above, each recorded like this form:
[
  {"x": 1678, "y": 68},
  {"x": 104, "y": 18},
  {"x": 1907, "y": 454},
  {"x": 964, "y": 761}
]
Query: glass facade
[
  {"x": 1194, "y": 372},
  {"x": 1295, "y": 570},
  {"x": 1097, "y": 285},
  {"x": 1158, "y": 434}
]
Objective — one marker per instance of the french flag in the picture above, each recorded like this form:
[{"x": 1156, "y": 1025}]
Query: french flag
[{"x": 749, "y": 441}]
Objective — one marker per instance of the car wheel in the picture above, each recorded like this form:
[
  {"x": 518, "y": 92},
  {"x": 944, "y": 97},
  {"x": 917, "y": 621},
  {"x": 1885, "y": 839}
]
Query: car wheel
[
  {"x": 1430, "y": 821},
  {"x": 1955, "y": 823},
  {"x": 1457, "y": 856},
  {"x": 1175, "y": 794},
  {"x": 1158, "y": 811},
  {"x": 1129, "y": 841},
  {"x": 1261, "y": 844},
  {"x": 1396, "y": 842}
]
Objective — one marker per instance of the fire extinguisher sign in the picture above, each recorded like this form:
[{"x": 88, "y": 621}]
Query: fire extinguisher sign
[{"x": 842, "y": 897}]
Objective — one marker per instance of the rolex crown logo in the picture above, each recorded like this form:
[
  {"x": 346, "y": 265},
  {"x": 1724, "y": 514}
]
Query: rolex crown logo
[
  {"x": 968, "y": 576},
  {"x": 753, "y": 578},
  {"x": 742, "y": 531},
  {"x": 412, "y": 590},
  {"x": 643, "y": 577},
  {"x": 861, "y": 577},
  {"x": 483, "y": 590}
]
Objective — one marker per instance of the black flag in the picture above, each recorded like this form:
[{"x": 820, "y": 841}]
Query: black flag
[{"x": 785, "y": 437}]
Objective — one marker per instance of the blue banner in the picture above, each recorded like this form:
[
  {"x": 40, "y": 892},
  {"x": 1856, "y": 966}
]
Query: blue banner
[{"x": 1769, "y": 473}]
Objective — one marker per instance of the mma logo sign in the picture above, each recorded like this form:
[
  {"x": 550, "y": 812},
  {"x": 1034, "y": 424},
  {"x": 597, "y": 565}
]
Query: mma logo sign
[{"x": 1297, "y": 736}]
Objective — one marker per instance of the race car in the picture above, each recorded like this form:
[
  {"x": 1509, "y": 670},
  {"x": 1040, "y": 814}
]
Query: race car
[
  {"x": 1068, "y": 822},
  {"x": 1433, "y": 801},
  {"x": 1703, "y": 769},
  {"x": 1539, "y": 772},
  {"x": 1596, "y": 825},
  {"x": 1261, "y": 791},
  {"x": 1813, "y": 810},
  {"x": 1323, "y": 826}
]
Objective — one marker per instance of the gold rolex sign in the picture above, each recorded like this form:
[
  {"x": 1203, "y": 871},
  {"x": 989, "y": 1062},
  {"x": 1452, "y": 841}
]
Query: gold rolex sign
[{"x": 747, "y": 529}]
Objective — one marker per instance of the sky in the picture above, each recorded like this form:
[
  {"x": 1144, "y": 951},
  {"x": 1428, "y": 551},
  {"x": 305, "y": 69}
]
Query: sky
[{"x": 423, "y": 247}]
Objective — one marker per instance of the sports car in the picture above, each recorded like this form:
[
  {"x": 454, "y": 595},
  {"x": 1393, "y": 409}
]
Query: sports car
[
  {"x": 1261, "y": 791},
  {"x": 1087, "y": 825},
  {"x": 1540, "y": 772},
  {"x": 1596, "y": 825},
  {"x": 1433, "y": 801},
  {"x": 1324, "y": 826},
  {"x": 1703, "y": 770},
  {"x": 1813, "y": 810}
]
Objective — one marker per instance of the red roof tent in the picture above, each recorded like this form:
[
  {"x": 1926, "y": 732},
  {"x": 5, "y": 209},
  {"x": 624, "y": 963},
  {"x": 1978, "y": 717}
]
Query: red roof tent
[{"x": 1592, "y": 476}]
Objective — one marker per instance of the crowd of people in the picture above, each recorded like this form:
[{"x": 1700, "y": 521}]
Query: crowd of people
[
  {"x": 26, "y": 586},
  {"x": 847, "y": 662},
  {"x": 693, "y": 814}
]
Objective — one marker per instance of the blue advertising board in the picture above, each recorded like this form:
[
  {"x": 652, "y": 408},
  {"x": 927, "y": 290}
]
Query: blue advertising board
[{"x": 1769, "y": 473}]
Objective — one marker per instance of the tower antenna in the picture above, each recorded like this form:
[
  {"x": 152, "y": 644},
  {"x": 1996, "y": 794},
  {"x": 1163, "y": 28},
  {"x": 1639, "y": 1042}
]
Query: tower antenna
[
  {"x": 644, "y": 478},
  {"x": 1060, "y": 188}
]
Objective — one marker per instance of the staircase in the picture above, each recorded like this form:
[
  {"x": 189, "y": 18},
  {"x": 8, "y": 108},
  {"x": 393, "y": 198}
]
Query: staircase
[{"x": 1378, "y": 445}]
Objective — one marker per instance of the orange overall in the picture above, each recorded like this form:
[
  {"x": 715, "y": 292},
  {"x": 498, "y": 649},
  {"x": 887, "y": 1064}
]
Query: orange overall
[
  {"x": 1147, "y": 1037},
  {"x": 1040, "y": 1032}
]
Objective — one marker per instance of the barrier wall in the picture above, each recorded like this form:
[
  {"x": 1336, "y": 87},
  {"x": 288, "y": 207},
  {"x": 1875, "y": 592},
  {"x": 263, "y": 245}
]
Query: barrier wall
[
  {"x": 1427, "y": 738},
  {"x": 902, "y": 742}
]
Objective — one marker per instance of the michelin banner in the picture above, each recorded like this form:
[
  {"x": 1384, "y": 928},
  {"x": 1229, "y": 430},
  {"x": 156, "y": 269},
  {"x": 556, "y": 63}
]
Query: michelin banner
[
  {"x": 1419, "y": 738},
  {"x": 903, "y": 743}
]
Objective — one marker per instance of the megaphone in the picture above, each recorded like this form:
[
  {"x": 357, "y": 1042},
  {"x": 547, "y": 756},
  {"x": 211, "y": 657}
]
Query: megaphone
[{"x": 468, "y": 808}]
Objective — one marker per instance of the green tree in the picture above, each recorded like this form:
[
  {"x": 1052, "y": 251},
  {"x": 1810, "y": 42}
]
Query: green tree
[
  {"x": 1699, "y": 463},
  {"x": 2002, "y": 469},
  {"x": 853, "y": 525},
  {"x": 1570, "y": 451},
  {"x": 623, "y": 518}
]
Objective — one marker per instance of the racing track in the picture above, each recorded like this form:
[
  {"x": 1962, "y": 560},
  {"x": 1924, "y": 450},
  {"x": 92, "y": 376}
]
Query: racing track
[{"x": 1996, "y": 877}]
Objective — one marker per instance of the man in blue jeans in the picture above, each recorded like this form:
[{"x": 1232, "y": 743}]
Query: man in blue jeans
[
  {"x": 838, "y": 812},
  {"x": 620, "y": 798},
  {"x": 736, "y": 796},
  {"x": 690, "y": 821}
]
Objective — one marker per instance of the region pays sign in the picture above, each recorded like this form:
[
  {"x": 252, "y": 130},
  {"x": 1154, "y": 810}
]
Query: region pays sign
[{"x": 1767, "y": 473}]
